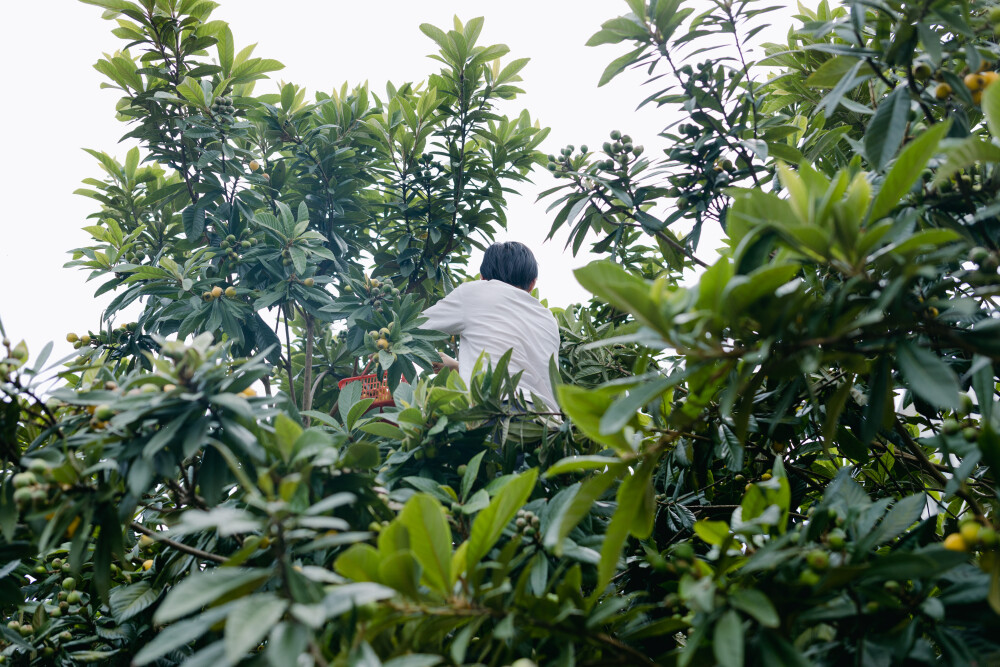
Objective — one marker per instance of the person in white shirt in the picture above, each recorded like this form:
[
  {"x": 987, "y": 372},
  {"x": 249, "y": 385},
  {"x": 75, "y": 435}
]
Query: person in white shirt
[{"x": 497, "y": 314}]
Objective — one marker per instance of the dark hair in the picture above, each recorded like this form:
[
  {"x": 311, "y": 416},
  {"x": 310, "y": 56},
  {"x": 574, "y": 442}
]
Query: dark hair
[{"x": 509, "y": 262}]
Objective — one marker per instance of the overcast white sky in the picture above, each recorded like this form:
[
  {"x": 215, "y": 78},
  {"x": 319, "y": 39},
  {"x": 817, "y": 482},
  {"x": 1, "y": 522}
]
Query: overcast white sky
[{"x": 54, "y": 107}]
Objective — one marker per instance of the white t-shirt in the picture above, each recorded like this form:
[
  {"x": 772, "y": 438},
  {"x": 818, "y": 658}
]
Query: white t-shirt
[{"x": 493, "y": 317}]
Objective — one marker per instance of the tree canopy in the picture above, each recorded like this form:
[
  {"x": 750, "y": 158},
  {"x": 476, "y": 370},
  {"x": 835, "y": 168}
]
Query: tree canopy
[{"x": 792, "y": 461}]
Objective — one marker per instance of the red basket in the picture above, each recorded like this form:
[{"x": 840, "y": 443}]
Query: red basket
[{"x": 372, "y": 387}]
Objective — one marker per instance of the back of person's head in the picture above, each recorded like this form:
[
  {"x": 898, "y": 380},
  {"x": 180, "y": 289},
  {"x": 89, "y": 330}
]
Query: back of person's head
[{"x": 510, "y": 262}]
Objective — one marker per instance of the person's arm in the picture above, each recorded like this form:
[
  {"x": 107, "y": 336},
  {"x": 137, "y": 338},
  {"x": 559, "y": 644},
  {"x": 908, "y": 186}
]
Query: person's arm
[{"x": 446, "y": 362}]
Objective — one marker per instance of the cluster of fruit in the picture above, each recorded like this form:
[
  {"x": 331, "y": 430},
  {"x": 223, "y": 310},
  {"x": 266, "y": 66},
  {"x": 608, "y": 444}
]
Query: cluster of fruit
[
  {"x": 976, "y": 82},
  {"x": 33, "y": 487},
  {"x": 231, "y": 243},
  {"x": 427, "y": 166},
  {"x": 15, "y": 357},
  {"x": 563, "y": 163},
  {"x": 973, "y": 536},
  {"x": 217, "y": 292},
  {"x": 381, "y": 337},
  {"x": 223, "y": 106},
  {"x": 136, "y": 254},
  {"x": 379, "y": 293},
  {"x": 961, "y": 422},
  {"x": 619, "y": 148},
  {"x": 147, "y": 546},
  {"x": 987, "y": 260},
  {"x": 527, "y": 523},
  {"x": 116, "y": 335}
]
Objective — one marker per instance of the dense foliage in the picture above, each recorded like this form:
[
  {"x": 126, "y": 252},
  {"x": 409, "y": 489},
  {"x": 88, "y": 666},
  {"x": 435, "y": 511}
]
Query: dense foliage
[{"x": 791, "y": 462}]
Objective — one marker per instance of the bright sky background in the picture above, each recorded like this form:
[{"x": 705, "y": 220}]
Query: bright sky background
[{"x": 54, "y": 107}]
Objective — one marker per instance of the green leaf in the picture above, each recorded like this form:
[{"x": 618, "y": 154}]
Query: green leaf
[
  {"x": 249, "y": 621},
  {"x": 831, "y": 72},
  {"x": 906, "y": 170},
  {"x": 585, "y": 407},
  {"x": 202, "y": 588},
  {"x": 635, "y": 514},
  {"x": 712, "y": 532},
  {"x": 193, "y": 218},
  {"x": 903, "y": 514},
  {"x": 965, "y": 154},
  {"x": 991, "y": 109},
  {"x": 578, "y": 463},
  {"x": 727, "y": 640},
  {"x": 471, "y": 473},
  {"x": 624, "y": 410},
  {"x": 754, "y": 603},
  {"x": 430, "y": 540},
  {"x": 622, "y": 290},
  {"x": 383, "y": 430},
  {"x": 887, "y": 128},
  {"x": 489, "y": 524},
  {"x": 127, "y": 601},
  {"x": 928, "y": 376},
  {"x": 573, "y": 511},
  {"x": 359, "y": 562},
  {"x": 179, "y": 635},
  {"x": 401, "y": 571},
  {"x": 618, "y": 65}
]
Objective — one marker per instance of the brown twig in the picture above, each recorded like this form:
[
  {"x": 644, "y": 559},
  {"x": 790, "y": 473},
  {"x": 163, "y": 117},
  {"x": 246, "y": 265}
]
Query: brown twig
[
  {"x": 198, "y": 553},
  {"x": 931, "y": 469}
]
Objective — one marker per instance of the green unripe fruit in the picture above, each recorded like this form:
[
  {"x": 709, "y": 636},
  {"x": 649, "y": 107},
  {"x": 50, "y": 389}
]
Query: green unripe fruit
[
  {"x": 103, "y": 413},
  {"x": 74, "y": 597},
  {"x": 950, "y": 426},
  {"x": 809, "y": 577},
  {"x": 684, "y": 550},
  {"x": 308, "y": 282},
  {"x": 970, "y": 533},
  {"x": 837, "y": 539},
  {"x": 994, "y": 15},
  {"x": 922, "y": 72},
  {"x": 13, "y": 625},
  {"x": 22, "y": 496},
  {"x": 970, "y": 433},
  {"x": 530, "y": 531},
  {"x": 23, "y": 479},
  {"x": 988, "y": 537},
  {"x": 871, "y": 607},
  {"x": 230, "y": 292},
  {"x": 69, "y": 584},
  {"x": 978, "y": 254},
  {"x": 65, "y": 567},
  {"x": 818, "y": 560},
  {"x": 615, "y": 135},
  {"x": 521, "y": 523},
  {"x": 65, "y": 635},
  {"x": 462, "y": 469},
  {"x": 85, "y": 339},
  {"x": 72, "y": 337},
  {"x": 26, "y": 629}
]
